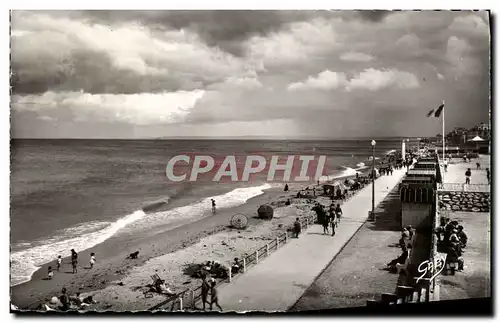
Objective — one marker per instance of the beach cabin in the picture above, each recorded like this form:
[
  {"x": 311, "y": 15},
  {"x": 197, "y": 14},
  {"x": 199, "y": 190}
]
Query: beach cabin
[{"x": 418, "y": 193}]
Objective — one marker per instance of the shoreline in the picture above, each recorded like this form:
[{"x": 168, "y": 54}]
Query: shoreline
[{"x": 112, "y": 266}]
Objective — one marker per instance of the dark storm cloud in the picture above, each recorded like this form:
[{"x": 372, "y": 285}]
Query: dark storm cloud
[
  {"x": 91, "y": 72},
  {"x": 225, "y": 29},
  {"x": 373, "y": 15}
]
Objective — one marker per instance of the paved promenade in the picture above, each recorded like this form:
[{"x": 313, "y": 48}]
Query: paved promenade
[
  {"x": 456, "y": 171},
  {"x": 276, "y": 283}
]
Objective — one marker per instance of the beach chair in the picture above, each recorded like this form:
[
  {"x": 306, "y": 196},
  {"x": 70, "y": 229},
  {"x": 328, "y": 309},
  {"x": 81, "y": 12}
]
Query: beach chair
[{"x": 156, "y": 281}]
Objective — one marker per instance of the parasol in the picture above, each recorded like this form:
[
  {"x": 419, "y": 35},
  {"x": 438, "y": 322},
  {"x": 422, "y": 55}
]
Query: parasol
[{"x": 239, "y": 221}]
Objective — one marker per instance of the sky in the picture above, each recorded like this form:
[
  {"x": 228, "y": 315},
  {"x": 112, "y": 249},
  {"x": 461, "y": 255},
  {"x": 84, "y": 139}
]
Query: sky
[{"x": 284, "y": 74}]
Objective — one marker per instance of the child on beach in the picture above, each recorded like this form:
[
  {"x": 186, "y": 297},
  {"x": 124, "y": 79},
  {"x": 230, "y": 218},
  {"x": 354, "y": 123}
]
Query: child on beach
[
  {"x": 59, "y": 262},
  {"x": 92, "y": 260},
  {"x": 50, "y": 273},
  {"x": 215, "y": 295}
]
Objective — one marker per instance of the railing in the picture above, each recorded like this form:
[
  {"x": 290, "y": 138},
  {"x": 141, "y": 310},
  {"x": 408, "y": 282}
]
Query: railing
[
  {"x": 464, "y": 187},
  {"x": 188, "y": 298},
  {"x": 418, "y": 293}
]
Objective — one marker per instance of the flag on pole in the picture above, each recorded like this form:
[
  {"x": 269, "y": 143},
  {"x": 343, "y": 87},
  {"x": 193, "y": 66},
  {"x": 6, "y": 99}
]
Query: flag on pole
[{"x": 436, "y": 112}]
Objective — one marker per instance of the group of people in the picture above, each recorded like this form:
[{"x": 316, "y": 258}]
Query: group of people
[
  {"x": 74, "y": 263},
  {"x": 208, "y": 286},
  {"x": 405, "y": 245},
  {"x": 387, "y": 170},
  {"x": 328, "y": 219},
  {"x": 451, "y": 240}
]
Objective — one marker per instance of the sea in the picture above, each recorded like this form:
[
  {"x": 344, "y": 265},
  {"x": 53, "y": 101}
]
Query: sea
[{"x": 79, "y": 193}]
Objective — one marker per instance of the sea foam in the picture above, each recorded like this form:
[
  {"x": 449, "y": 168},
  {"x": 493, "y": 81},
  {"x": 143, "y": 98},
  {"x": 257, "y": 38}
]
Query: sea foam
[{"x": 27, "y": 261}]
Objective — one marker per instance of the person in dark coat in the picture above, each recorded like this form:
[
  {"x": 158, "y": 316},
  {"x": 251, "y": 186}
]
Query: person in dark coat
[
  {"x": 462, "y": 236},
  {"x": 399, "y": 260},
  {"x": 214, "y": 295},
  {"x": 297, "y": 228},
  {"x": 205, "y": 289},
  {"x": 64, "y": 299},
  {"x": 74, "y": 261}
]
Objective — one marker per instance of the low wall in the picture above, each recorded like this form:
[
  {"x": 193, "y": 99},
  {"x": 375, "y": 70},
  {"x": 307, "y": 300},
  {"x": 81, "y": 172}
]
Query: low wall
[{"x": 464, "y": 201}]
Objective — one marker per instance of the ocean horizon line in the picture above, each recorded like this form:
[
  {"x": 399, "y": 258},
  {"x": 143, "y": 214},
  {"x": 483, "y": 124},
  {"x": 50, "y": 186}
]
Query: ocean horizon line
[{"x": 233, "y": 138}]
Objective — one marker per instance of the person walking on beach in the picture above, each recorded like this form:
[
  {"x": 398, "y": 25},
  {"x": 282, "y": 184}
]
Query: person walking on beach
[
  {"x": 338, "y": 212},
  {"x": 59, "y": 262},
  {"x": 214, "y": 295},
  {"x": 205, "y": 288},
  {"x": 92, "y": 260},
  {"x": 74, "y": 260},
  {"x": 467, "y": 176},
  {"x": 213, "y": 207},
  {"x": 478, "y": 165},
  {"x": 488, "y": 175},
  {"x": 297, "y": 228}
]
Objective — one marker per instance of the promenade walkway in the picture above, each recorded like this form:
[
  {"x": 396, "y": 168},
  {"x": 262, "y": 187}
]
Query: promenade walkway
[
  {"x": 456, "y": 171},
  {"x": 279, "y": 281}
]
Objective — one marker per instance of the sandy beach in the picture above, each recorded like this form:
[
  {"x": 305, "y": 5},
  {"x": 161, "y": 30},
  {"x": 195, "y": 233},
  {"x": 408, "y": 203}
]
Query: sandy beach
[{"x": 164, "y": 253}]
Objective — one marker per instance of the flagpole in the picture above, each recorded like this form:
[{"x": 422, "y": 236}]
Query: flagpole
[{"x": 444, "y": 138}]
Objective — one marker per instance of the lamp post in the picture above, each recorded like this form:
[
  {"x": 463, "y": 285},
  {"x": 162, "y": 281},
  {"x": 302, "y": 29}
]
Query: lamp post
[{"x": 372, "y": 216}]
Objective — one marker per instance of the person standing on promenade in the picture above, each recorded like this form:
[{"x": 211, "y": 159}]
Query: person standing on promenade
[
  {"x": 338, "y": 212},
  {"x": 213, "y": 207},
  {"x": 467, "y": 176},
  {"x": 297, "y": 228},
  {"x": 74, "y": 260},
  {"x": 488, "y": 175},
  {"x": 215, "y": 295},
  {"x": 326, "y": 222},
  {"x": 333, "y": 223}
]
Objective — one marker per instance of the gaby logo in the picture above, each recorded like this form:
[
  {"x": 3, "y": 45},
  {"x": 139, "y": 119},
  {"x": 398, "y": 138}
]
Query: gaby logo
[
  {"x": 233, "y": 168},
  {"x": 428, "y": 267}
]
